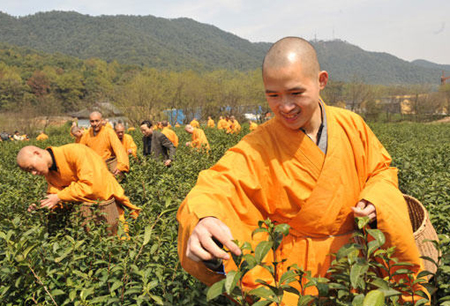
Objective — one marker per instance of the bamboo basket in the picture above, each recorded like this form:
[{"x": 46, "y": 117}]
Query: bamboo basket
[
  {"x": 107, "y": 212},
  {"x": 423, "y": 230}
]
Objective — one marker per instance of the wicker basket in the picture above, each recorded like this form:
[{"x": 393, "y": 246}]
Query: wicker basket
[
  {"x": 111, "y": 163},
  {"x": 107, "y": 212},
  {"x": 423, "y": 229}
]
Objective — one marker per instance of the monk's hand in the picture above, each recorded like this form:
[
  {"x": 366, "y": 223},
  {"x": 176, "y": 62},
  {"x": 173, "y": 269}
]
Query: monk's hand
[
  {"x": 201, "y": 245},
  {"x": 117, "y": 172},
  {"x": 167, "y": 162},
  {"x": 365, "y": 209},
  {"x": 50, "y": 201},
  {"x": 32, "y": 207},
  {"x": 188, "y": 144}
]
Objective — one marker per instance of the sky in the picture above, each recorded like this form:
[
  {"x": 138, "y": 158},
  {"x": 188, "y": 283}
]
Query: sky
[{"x": 408, "y": 29}]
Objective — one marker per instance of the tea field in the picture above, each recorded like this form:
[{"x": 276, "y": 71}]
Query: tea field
[{"x": 42, "y": 265}]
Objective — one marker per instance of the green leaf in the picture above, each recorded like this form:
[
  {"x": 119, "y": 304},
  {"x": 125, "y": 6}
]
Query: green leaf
[
  {"x": 147, "y": 234},
  {"x": 57, "y": 292},
  {"x": 157, "y": 299},
  {"x": 264, "y": 293},
  {"x": 230, "y": 281},
  {"x": 262, "y": 249},
  {"x": 116, "y": 285},
  {"x": 358, "y": 300},
  {"x": 215, "y": 290},
  {"x": 356, "y": 273},
  {"x": 282, "y": 228},
  {"x": 374, "y": 298},
  {"x": 378, "y": 235}
]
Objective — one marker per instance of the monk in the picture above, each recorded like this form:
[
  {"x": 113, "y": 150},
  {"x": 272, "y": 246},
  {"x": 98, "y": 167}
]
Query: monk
[
  {"x": 74, "y": 173},
  {"x": 252, "y": 125},
  {"x": 42, "y": 136},
  {"x": 195, "y": 123},
  {"x": 199, "y": 140},
  {"x": 210, "y": 123},
  {"x": 313, "y": 166},
  {"x": 222, "y": 124},
  {"x": 105, "y": 143},
  {"x": 169, "y": 133},
  {"x": 126, "y": 139},
  {"x": 234, "y": 127}
]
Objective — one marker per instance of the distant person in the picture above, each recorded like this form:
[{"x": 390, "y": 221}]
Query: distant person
[
  {"x": 252, "y": 125},
  {"x": 42, "y": 136},
  {"x": 169, "y": 133},
  {"x": 105, "y": 143},
  {"x": 157, "y": 144},
  {"x": 17, "y": 136},
  {"x": 199, "y": 140},
  {"x": 222, "y": 124},
  {"x": 4, "y": 136},
  {"x": 210, "y": 123},
  {"x": 233, "y": 126},
  {"x": 75, "y": 173},
  {"x": 195, "y": 123},
  {"x": 126, "y": 140}
]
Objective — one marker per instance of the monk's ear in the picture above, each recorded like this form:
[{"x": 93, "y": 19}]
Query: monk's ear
[{"x": 323, "y": 79}]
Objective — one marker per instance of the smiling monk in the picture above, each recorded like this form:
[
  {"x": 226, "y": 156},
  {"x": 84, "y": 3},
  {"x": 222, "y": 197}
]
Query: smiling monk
[{"x": 313, "y": 166}]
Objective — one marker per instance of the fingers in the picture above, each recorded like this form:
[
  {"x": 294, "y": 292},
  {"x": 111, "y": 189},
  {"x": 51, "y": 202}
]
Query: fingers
[
  {"x": 201, "y": 245},
  {"x": 32, "y": 207},
  {"x": 365, "y": 209}
]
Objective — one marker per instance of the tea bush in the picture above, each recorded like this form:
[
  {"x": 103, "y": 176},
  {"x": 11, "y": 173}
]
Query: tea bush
[{"x": 43, "y": 265}]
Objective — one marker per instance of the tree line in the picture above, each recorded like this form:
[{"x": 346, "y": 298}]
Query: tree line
[{"x": 34, "y": 84}]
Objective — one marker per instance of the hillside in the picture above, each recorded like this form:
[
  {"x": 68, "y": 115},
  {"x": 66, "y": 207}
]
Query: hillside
[{"x": 181, "y": 44}]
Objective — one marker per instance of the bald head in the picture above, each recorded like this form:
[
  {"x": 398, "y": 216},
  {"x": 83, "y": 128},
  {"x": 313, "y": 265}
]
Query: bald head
[
  {"x": 189, "y": 128},
  {"x": 120, "y": 130},
  {"x": 95, "y": 119},
  {"x": 96, "y": 114},
  {"x": 292, "y": 50},
  {"x": 34, "y": 160},
  {"x": 164, "y": 123}
]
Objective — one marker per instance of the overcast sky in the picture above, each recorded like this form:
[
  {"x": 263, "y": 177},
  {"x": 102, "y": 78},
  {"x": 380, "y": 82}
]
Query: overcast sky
[{"x": 408, "y": 29}]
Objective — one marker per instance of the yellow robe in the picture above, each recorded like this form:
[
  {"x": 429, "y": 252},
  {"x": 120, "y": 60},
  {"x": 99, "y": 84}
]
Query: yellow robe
[
  {"x": 195, "y": 124},
  {"x": 233, "y": 127},
  {"x": 107, "y": 144},
  {"x": 129, "y": 144},
  {"x": 222, "y": 124},
  {"x": 211, "y": 123},
  {"x": 253, "y": 126},
  {"x": 199, "y": 140},
  {"x": 171, "y": 135},
  {"x": 130, "y": 129},
  {"x": 42, "y": 136},
  {"x": 281, "y": 174},
  {"x": 82, "y": 176}
]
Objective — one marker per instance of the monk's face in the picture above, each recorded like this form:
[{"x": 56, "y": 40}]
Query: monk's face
[
  {"x": 120, "y": 130},
  {"x": 96, "y": 122},
  {"x": 293, "y": 95},
  {"x": 34, "y": 164},
  {"x": 147, "y": 131}
]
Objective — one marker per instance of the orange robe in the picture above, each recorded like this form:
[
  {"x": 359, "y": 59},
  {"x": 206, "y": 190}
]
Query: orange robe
[
  {"x": 199, "y": 140},
  {"x": 222, "y": 124},
  {"x": 129, "y": 144},
  {"x": 42, "y": 136},
  {"x": 211, "y": 123},
  {"x": 195, "y": 124},
  {"x": 234, "y": 127},
  {"x": 171, "y": 135},
  {"x": 281, "y": 174},
  {"x": 82, "y": 176},
  {"x": 107, "y": 145},
  {"x": 253, "y": 126}
]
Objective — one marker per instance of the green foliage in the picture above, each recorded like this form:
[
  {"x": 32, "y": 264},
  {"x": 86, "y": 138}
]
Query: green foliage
[{"x": 72, "y": 267}]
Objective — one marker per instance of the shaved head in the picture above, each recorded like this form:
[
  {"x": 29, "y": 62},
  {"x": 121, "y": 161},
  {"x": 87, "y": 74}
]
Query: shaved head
[
  {"x": 164, "y": 123},
  {"x": 34, "y": 160},
  {"x": 290, "y": 50},
  {"x": 189, "y": 128},
  {"x": 95, "y": 114}
]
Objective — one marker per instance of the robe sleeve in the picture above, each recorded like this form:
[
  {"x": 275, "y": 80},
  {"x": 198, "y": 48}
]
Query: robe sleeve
[
  {"x": 80, "y": 190},
  {"x": 229, "y": 191},
  {"x": 381, "y": 189},
  {"x": 123, "y": 164}
]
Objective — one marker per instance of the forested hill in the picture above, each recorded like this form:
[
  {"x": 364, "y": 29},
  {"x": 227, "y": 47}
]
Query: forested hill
[{"x": 180, "y": 44}]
